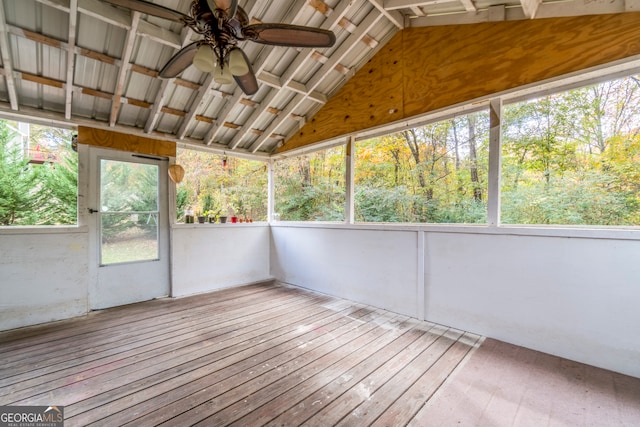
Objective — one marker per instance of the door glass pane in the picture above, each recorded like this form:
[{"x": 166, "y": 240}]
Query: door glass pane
[{"x": 129, "y": 210}]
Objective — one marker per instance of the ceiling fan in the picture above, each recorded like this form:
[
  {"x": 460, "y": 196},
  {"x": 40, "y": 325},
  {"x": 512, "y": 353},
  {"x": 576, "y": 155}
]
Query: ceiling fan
[{"x": 222, "y": 24}]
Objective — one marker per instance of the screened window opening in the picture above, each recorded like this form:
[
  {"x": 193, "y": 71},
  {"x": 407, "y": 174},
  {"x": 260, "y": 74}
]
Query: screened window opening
[
  {"x": 311, "y": 187},
  {"x": 431, "y": 174},
  {"x": 573, "y": 158},
  {"x": 217, "y": 188},
  {"x": 38, "y": 175}
]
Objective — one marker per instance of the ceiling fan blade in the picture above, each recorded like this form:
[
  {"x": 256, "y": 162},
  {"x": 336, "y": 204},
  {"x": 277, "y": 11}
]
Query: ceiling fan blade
[
  {"x": 150, "y": 9},
  {"x": 248, "y": 83},
  {"x": 180, "y": 61},
  {"x": 289, "y": 35},
  {"x": 228, "y": 6}
]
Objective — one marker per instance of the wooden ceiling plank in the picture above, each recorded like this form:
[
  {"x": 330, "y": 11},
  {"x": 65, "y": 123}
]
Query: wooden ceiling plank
[
  {"x": 7, "y": 62},
  {"x": 144, "y": 70},
  {"x": 124, "y": 67},
  {"x": 93, "y": 92},
  {"x": 98, "y": 56},
  {"x": 40, "y": 79},
  {"x": 37, "y": 37},
  {"x": 71, "y": 56},
  {"x": 321, "y": 7}
]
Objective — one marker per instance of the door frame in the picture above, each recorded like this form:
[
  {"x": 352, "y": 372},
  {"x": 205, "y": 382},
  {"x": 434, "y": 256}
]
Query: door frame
[{"x": 92, "y": 156}]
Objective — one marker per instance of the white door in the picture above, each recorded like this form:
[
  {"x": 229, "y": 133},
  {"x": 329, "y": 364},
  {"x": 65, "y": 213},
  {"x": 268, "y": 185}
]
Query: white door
[{"x": 128, "y": 217}]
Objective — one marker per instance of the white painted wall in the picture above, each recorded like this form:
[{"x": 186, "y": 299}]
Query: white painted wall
[
  {"x": 43, "y": 277},
  {"x": 576, "y": 297},
  {"x": 572, "y": 297},
  {"x": 209, "y": 257},
  {"x": 367, "y": 266}
]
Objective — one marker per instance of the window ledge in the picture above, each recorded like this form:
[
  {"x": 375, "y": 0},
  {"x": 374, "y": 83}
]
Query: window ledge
[
  {"x": 225, "y": 225},
  {"x": 43, "y": 229},
  {"x": 612, "y": 233}
]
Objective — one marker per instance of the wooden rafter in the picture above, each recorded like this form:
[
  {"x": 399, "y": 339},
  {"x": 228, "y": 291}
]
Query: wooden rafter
[
  {"x": 6, "y": 60},
  {"x": 363, "y": 28},
  {"x": 124, "y": 67},
  {"x": 294, "y": 13},
  {"x": 163, "y": 91},
  {"x": 530, "y": 7},
  {"x": 393, "y": 16},
  {"x": 71, "y": 56},
  {"x": 332, "y": 20}
]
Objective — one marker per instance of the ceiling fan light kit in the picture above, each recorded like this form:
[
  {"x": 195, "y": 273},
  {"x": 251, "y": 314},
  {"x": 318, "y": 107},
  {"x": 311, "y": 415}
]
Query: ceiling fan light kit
[
  {"x": 222, "y": 25},
  {"x": 204, "y": 59},
  {"x": 237, "y": 64},
  {"x": 222, "y": 76}
]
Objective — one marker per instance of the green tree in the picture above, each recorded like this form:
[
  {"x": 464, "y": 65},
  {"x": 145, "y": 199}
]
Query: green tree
[{"x": 18, "y": 181}]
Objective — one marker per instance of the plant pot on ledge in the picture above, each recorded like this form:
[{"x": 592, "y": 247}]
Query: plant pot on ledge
[{"x": 223, "y": 219}]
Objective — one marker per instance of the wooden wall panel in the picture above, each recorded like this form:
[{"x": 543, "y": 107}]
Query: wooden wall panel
[
  {"x": 125, "y": 142},
  {"x": 443, "y": 66},
  {"x": 373, "y": 97}
]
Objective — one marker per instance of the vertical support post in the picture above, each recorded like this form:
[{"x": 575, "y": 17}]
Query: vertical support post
[
  {"x": 349, "y": 214},
  {"x": 270, "y": 190},
  {"x": 495, "y": 161},
  {"x": 421, "y": 297}
]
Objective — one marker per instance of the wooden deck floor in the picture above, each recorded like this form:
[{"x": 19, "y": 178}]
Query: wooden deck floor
[{"x": 254, "y": 355}]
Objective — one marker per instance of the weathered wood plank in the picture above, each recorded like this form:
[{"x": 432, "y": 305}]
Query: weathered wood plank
[
  {"x": 125, "y": 142},
  {"x": 314, "y": 402},
  {"x": 113, "y": 362}
]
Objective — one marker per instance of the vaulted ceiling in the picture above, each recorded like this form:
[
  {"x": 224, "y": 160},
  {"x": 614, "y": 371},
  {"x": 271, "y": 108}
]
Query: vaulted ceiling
[{"x": 87, "y": 62}]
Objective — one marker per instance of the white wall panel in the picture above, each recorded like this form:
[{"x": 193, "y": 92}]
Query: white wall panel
[
  {"x": 43, "y": 277},
  {"x": 207, "y": 258},
  {"x": 371, "y": 267},
  {"x": 575, "y": 298}
]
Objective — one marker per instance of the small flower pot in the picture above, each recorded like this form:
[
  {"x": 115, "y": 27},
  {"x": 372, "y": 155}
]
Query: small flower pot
[
  {"x": 234, "y": 219},
  {"x": 223, "y": 219},
  {"x": 201, "y": 219}
]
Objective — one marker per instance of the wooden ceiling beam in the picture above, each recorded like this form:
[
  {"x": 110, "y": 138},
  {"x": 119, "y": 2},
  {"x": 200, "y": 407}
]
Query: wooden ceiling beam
[
  {"x": 124, "y": 67},
  {"x": 163, "y": 91},
  {"x": 393, "y": 16},
  {"x": 530, "y": 7},
  {"x": 332, "y": 20},
  {"x": 293, "y": 15},
  {"x": 71, "y": 57},
  {"x": 5, "y": 53},
  {"x": 352, "y": 43},
  {"x": 543, "y": 10}
]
